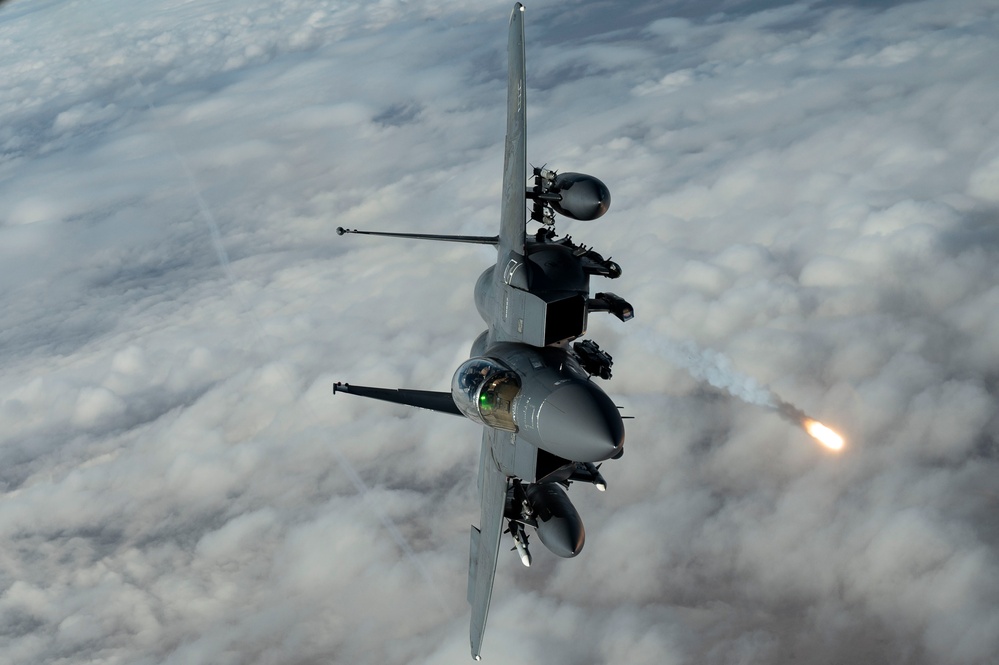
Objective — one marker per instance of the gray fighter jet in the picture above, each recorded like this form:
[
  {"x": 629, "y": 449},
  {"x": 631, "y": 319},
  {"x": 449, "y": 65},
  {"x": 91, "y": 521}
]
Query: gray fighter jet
[{"x": 545, "y": 422}]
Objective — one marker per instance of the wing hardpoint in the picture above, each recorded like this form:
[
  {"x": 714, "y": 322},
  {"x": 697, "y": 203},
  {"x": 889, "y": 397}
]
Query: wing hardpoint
[{"x": 513, "y": 211}]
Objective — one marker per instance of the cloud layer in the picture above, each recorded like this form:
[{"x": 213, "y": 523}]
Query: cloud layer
[{"x": 809, "y": 191}]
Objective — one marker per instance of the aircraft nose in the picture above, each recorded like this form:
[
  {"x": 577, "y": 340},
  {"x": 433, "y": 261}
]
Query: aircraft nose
[{"x": 581, "y": 422}]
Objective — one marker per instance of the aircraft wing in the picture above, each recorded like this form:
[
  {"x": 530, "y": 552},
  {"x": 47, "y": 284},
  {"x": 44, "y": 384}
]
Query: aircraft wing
[
  {"x": 485, "y": 542},
  {"x": 513, "y": 211},
  {"x": 502, "y": 453}
]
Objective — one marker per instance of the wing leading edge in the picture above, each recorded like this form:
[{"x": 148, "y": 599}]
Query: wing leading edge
[{"x": 485, "y": 541}]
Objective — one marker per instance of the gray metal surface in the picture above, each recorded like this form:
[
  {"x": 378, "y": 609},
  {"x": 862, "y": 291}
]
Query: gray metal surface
[
  {"x": 485, "y": 545},
  {"x": 513, "y": 209}
]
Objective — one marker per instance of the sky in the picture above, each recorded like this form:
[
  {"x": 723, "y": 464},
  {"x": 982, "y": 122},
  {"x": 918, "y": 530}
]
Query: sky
[{"x": 804, "y": 193}]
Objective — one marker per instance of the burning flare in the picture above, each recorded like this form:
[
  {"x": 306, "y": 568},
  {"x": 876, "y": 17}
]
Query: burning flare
[
  {"x": 817, "y": 430},
  {"x": 716, "y": 369},
  {"x": 823, "y": 434}
]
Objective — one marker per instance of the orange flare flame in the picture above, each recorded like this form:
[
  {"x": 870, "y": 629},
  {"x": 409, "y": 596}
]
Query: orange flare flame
[{"x": 823, "y": 434}]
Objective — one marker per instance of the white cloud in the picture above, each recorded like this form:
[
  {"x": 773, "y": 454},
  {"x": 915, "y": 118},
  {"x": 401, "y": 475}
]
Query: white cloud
[{"x": 806, "y": 189}]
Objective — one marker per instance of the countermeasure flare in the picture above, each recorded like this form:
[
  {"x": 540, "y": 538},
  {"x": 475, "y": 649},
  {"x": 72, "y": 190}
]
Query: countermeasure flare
[{"x": 821, "y": 433}]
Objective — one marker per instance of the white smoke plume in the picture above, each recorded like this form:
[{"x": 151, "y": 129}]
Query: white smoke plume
[
  {"x": 716, "y": 369},
  {"x": 711, "y": 367}
]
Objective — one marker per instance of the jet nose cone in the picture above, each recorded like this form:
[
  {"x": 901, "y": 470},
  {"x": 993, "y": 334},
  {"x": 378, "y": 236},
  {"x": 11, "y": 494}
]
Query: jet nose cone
[{"x": 579, "y": 421}]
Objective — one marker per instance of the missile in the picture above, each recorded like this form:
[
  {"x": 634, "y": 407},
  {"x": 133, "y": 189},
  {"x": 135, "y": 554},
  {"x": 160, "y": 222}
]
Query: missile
[
  {"x": 595, "y": 478},
  {"x": 588, "y": 472},
  {"x": 525, "y": 555},
  {"x": 520, "y": 542}
]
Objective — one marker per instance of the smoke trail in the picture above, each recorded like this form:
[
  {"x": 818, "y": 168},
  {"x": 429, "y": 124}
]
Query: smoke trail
[
  {"x": 355, "y": 478},
  {"x": 713, "y": 368},
  {"x": 790, "y": 412},
  {"x": 716, "y": 369}
]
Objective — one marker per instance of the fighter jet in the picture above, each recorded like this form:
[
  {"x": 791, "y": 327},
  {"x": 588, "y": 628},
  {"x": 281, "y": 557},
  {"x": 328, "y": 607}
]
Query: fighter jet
[{"x": 546, "y": 422}]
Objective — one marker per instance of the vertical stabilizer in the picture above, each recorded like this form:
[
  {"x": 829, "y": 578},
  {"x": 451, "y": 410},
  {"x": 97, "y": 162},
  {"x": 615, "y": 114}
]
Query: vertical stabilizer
[{"x": 513, "y": 210}]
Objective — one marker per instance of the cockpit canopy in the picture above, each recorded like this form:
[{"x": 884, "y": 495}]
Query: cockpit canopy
[{"x": 484, "y": 389}]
